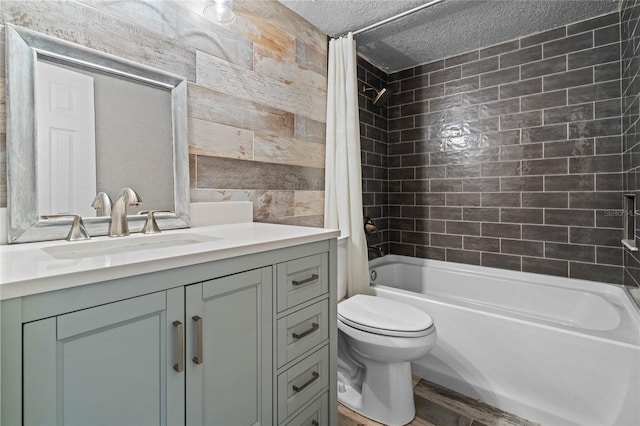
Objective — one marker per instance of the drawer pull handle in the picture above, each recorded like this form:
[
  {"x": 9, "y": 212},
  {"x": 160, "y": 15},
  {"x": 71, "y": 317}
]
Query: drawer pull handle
[
  {"x": 307, "y": 383},
  {"x": 198, "y": 358},
  {"x": 311, "y": 279},
  {"x": 179, "y": 367},
  {"x": 315, "y": 423},
  {"x": 314, "y": 327}
]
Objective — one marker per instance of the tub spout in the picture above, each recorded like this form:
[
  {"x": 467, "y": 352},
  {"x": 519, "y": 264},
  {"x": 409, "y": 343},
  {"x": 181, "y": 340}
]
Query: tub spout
[{"x": 375, "y": 252}]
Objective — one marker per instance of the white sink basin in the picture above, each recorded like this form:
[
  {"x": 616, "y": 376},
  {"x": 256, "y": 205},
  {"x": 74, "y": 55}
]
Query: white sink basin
[{"x": 80, "y": 249}]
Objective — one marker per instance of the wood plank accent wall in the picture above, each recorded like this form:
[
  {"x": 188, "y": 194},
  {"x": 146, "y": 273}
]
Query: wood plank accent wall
[{"x": 256, "y": 95}]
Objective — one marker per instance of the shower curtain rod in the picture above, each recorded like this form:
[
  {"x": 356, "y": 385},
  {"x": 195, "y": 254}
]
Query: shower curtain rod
[{"x": 398, "y": 16}]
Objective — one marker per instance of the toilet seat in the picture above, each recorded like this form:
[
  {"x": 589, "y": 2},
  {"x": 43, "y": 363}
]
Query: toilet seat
[{"x": 384, "y": 316}]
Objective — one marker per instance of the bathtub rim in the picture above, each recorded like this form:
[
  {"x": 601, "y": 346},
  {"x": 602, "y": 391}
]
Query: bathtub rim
[
  {"x": 551, "y": 280},
  {"x": 627, "y": 332}
]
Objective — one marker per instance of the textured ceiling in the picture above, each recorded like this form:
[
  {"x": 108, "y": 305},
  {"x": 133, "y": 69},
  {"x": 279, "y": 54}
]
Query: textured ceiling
[{"x": 442, "y": 30}]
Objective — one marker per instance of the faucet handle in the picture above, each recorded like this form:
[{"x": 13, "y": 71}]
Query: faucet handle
[
  {"x": 369, "y": 227},
  {"x": 77, "y": 232},
  {"x": 150, "y": 226}
]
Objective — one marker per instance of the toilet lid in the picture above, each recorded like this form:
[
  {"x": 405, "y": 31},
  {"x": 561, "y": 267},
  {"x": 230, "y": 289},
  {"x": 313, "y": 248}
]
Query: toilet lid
[{"x": 384, "y": 316}]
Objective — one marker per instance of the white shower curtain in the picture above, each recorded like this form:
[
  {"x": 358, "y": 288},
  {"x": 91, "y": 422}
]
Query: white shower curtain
[{"x": 343, "y": 175}]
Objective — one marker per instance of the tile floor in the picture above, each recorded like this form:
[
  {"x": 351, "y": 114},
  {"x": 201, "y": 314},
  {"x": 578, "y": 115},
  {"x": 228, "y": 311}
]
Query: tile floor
[{"x": 439, "y": 406}]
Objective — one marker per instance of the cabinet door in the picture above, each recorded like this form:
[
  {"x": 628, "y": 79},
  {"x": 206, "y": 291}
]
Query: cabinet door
[
  {"x": 108, "y": 365},
  {"x": 229, "y": 348}
]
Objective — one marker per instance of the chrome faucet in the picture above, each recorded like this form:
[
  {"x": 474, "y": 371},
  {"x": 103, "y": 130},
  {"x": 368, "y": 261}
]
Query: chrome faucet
[
  {"x": 102, "y": 204},
  {"x": 374, "y": 252},
  {"x": 118, "y": 227}
]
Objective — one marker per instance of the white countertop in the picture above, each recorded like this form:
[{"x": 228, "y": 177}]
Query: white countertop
[{"x": 27, "y": 269}]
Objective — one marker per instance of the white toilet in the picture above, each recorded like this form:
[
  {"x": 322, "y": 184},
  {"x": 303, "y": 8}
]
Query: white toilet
[{"x": 377, "y": 340}]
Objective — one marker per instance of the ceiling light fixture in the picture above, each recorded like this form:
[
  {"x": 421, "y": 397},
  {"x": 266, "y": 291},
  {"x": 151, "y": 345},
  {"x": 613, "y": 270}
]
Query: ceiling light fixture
[{"x": 220, "y": 11}]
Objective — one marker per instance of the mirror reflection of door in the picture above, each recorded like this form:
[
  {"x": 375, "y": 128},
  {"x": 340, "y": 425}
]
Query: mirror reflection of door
[{"x": 65, "y": 149}]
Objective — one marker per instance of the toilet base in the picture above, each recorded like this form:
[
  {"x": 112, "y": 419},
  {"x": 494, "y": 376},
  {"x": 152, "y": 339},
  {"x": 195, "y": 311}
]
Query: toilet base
[{"x": 387, "y": 393}]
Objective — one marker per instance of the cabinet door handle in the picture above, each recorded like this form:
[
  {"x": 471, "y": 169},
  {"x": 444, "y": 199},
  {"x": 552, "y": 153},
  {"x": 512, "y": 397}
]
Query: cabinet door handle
[
  {"x": 315, "y": 423},
  {"x": 311, "y": 279},
  {"x": 198, "y": 358},
  {"x": 307, "y": 383},
  {"x": 179, "y": 367},
  {"x": 313, "y": 328}
]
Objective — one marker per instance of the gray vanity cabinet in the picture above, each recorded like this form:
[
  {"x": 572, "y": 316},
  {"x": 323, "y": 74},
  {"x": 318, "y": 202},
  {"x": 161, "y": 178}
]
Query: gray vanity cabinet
[
  {"x": 124, "y": 363},
  {"x": 242, "y": 341},
  {"x": 108, "y": 365},
  {"x": 229, "y": 350},
  {"x": 120, "y": 363}
]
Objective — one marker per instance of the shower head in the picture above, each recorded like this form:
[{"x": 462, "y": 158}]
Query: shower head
[{"x": 382, "y": 96}]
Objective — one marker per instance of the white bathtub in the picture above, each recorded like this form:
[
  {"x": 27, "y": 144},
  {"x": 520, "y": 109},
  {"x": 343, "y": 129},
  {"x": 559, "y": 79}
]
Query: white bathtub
[{"x": 556, "y": 351}]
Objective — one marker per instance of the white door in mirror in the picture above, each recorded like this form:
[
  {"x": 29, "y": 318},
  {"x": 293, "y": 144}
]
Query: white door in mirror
[{"x": 66, "y": 140}]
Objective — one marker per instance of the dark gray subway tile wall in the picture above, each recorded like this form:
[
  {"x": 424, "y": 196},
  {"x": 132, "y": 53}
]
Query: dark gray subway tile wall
[
  {"x": 374, "y": 147},
  {"x": 630, "y": 89},
  {"x": 511, "y": 156}
]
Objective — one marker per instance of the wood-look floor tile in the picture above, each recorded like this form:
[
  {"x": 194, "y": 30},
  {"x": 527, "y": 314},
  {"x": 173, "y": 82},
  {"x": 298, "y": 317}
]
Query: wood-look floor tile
[
  {"x": 420, "y": 422},
  {"x": 415, "y": 380},
  {"x": 470, "y": 407},
  {"x": 439, "y": 406},
  {"x": 348, "y": 417},
  {"x": 438, "y": 414}
]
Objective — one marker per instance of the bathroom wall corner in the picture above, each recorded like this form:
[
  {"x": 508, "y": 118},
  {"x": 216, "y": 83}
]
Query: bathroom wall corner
[
  {"x": 3, "y": 226},
  {"x": 374, "y": 150},
  {"x": 630, "y": 88}
]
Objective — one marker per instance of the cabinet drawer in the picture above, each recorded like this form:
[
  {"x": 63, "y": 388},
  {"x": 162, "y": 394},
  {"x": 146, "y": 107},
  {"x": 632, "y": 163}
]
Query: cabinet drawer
[
  {"x": 302, "y": 330},
  {"x": 302, "y": 279},
  {"x": 299, "y": 384},
  {"x": 314, "y": 415}
]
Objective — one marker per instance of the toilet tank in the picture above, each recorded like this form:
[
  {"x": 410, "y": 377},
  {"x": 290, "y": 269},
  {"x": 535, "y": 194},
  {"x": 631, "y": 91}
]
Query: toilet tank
[{"x": 343, "y": 261}]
